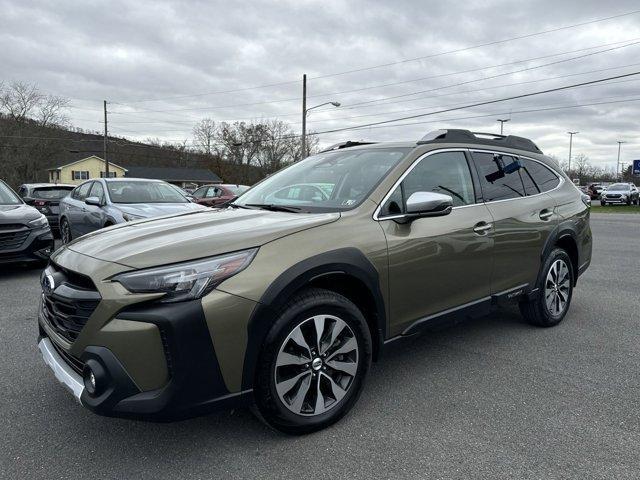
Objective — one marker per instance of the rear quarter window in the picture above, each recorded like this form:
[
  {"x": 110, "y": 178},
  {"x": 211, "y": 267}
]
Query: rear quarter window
[{"x": 538, "y": 178}]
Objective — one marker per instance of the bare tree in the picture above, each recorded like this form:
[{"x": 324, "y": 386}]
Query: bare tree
[
  {"x": 22, "y": 102},
  {"x": 204, "y": 134}
]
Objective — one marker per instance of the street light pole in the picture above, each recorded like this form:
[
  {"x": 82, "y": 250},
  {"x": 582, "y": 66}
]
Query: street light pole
[
  {"x": 620, "y": 142},
  {"x": 303, "y": 140},
  {"x": 571, "y": 134},
  {"x": 502, "y": 122},
  {"x": 104, "y": 148},
  {"x": 305, "y": 111}
]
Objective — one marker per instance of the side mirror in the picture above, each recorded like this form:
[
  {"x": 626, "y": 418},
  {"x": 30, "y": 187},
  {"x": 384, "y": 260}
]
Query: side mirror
[
  {"x": 427, "y": 204},
  {"x": 95, "y": 201}
]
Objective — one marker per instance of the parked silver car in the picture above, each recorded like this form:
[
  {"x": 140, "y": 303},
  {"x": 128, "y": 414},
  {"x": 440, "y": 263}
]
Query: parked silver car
[
  {"x": 620, "y": 193},
  {"x": 103, "y": 202}
]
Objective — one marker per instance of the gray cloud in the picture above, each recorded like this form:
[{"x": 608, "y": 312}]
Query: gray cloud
[{"x": 131, "y": 51}]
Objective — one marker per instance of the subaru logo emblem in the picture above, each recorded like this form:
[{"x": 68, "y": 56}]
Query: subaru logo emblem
[{"x": 48, "y": 283}]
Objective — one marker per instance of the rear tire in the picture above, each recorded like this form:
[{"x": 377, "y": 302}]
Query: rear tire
[
  {"x": 65, "y": 231},
  {"x": 555, "y": 289},
  {"x": 301, "y": 384}
]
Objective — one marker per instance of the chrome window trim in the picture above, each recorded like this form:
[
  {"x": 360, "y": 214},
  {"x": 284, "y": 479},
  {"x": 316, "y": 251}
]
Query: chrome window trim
[
  {"x": 480, "y": 150},
  {"x": 377, "y": 218},
  {"x": 376, "y": 213}
]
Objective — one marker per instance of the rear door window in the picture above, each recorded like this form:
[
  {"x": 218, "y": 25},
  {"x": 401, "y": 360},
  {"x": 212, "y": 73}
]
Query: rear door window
[{"x": 500, "y": 176}]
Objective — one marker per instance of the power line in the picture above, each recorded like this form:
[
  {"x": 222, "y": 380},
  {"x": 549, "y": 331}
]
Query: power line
[
  {"x": 495, "y": 76},
  {"x": 263, "y": 117},
  {"x": 399, "y": 62},
  {"x": 412, "y": 93},
  {"x": 488, "y": 102}
]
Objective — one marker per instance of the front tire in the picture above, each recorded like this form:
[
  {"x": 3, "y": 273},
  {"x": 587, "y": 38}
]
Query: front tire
[
  {"x": 555, "y": 289},
  {"x": 65, "y": 231},
  {"x": 313, "y": 363}
]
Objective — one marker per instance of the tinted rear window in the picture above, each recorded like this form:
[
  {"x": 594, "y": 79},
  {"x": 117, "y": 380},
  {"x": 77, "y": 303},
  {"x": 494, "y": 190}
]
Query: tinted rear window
[
  {"x": 537, "y": 177},
  {"x": 51, "y": 193},
  {"x": 499, "y": 176}
]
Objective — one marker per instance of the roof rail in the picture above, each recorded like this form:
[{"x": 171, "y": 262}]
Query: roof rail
[
  {"x": 347, "y": 144},
  {"x": 466, "y": 136}
]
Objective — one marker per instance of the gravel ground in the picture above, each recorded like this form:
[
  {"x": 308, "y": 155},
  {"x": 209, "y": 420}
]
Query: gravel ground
[{"x": 494, "y": 398}]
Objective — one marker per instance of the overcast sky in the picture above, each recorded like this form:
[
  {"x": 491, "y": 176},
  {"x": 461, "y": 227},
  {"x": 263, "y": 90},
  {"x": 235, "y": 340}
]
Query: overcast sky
[{"x": 160, "y": 64}]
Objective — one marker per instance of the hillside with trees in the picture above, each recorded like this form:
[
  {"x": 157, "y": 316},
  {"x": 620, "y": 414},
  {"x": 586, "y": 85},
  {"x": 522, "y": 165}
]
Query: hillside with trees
[{"x": 36, "y": 134}]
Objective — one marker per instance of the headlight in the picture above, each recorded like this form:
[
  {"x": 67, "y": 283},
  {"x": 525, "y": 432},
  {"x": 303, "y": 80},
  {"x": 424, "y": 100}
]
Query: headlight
[
  {"x": 39, "y": 222},
  {"x": 129, "y": 217},
  {"x": 186, "y": 281}
]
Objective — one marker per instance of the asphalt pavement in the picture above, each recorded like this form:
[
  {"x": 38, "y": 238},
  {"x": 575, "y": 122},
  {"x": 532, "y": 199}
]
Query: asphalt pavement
[{"x": 494, "y": 398}]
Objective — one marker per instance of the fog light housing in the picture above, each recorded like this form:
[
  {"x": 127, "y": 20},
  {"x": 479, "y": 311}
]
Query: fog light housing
[{"x": 94, "y": 377}]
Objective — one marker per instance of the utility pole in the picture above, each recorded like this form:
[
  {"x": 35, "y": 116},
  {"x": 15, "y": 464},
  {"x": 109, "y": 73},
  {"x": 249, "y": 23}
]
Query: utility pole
[
  {"x": 620, "y": 142},
  {"x": 104, "y": 148},
  {"x": 303, "y": 149},
  {"x": 502, "y": 122},
  {"x": 571, "y": 134}
]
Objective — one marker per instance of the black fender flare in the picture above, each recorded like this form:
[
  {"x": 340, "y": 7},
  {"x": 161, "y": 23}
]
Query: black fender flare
[
  {"x": 558, "y": 233},
  {"x": 348, "y": 261}
]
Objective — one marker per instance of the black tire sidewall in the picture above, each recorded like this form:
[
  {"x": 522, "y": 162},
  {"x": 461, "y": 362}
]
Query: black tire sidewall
[{"x": 313, "y": 302}]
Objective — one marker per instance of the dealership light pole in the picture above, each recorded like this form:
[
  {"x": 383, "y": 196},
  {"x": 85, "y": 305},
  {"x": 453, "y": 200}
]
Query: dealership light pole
[
  {"x": 620, "y": 142},
  {"x": 571, "y": 134},
  {"x": 502, "y": 122},
  {"x": 104, "y": 147},
  {"x": 305, "y": 111}
]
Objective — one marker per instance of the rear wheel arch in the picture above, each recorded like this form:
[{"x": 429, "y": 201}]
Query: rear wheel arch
[
  {"x": 344, "y": 271},
  {"x": 567, "y": 242}
]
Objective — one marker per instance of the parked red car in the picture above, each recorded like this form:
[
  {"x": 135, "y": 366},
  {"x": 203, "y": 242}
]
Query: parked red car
[{"x": 213, "y": 195}]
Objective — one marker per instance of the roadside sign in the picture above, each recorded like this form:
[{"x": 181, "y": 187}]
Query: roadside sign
[{"x": 636, "y": 167}]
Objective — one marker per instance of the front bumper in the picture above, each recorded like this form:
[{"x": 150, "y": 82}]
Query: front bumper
[
  {"x": 38, "y": 246},
  {"x": 194, "y": 385},
  {"x": 62, "y": 371}
]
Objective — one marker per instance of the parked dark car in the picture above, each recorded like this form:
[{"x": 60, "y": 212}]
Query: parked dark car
[
  {"x": 213, "y": 195},
  {"x": 24, "y": 231},
  {"x": 103, "y": 202},
  {"x": 45, "y": 197}
]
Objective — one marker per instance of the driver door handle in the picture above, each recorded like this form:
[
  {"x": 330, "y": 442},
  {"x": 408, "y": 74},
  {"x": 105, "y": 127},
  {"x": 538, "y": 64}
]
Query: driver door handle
[
  {"x": 482, "y": 228},
  {"x": 546, "y": 214}
]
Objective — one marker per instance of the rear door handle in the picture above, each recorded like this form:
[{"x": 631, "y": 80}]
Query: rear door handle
[
  {"x": 546, "y": 214},
  {"x": 482, "y": 228}
]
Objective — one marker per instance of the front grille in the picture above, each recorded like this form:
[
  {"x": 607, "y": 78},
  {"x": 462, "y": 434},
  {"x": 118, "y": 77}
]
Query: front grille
[
  {"x": 68, "y": 306},
  {"x": 613, "y": 195},
  {"x": 13, "y": 236},
  {"x": 73, "y": 362}
]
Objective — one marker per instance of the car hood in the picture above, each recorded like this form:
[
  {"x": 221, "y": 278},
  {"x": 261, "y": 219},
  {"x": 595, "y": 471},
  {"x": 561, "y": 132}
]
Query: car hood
[
  {"x": 18, "y": 213},
  {"x": 148, "y": 243},
  {"x": 148, "y": 210}
]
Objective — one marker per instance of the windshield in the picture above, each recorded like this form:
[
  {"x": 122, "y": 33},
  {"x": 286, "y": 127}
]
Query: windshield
[
  {"x": 331, "y": 181},
  {"x": 144, "y": 192},
  {"x": 51, "y": 193},
  {"x": 7, "y": 197},
  {"x": 619, "y": 187}
]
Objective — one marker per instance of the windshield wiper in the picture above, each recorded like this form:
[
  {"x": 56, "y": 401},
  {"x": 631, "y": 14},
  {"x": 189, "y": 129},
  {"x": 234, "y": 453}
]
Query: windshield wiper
[
  {"x": 274, "y": 208},
  {"x": 236, "y": 205}
]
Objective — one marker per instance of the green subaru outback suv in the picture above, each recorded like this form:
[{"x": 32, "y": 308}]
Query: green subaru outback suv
[{"x": 283, "y": 299}]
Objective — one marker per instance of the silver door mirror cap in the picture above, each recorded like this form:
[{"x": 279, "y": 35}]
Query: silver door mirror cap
[
  {"x": 428, "y": 202},
  {"x": 93, "y": 201}
]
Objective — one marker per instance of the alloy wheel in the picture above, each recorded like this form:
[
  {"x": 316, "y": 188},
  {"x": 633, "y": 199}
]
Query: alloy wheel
[
  {"x": 65, "y": 233},
  {"x": 316, "y": 365},
  {"x": 557, "y": 286}
]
